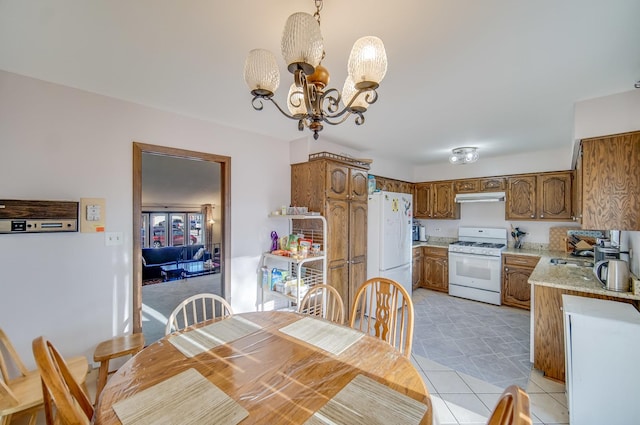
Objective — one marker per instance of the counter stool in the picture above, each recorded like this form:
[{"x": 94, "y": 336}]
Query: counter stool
[{"x": 112, "y": 349}]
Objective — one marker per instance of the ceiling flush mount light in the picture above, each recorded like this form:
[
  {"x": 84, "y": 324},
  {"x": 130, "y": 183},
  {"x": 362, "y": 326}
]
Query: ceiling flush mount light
[
  {"x": 465, "y": 155},
  {"x": 308, "y": 101}
]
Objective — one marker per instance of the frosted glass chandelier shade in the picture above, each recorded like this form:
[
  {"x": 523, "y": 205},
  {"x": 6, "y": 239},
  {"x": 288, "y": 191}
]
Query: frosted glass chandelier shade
[
  {"x": 295, "y": 101},
  {"x": 261, "y": 71},
  {"x": 302, "y": 40},
  {"x": 348, "y": 91},
  {"x": 368, "y": 60}
]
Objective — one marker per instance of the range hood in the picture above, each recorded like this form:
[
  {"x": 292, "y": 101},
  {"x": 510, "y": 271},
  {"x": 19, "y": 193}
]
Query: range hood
[{"x": 480, "y": 197}]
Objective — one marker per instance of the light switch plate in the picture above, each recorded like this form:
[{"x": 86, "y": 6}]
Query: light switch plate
[{"x": 113, "y": 238}]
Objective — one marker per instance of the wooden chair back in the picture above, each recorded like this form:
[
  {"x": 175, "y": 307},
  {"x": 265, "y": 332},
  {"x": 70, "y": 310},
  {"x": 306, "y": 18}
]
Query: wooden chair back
[
  {"x": 383, "y": 307},
  {"x": 512, "y": 408},
  {"x": 196, "y": 309},
  {"x": 7, "y": 347},
  {"x": 323, "y": 301},
  {"x": 64, "y": 400}
]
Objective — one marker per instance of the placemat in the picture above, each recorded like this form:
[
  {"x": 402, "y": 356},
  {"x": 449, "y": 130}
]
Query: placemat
[
  {"x": 322, "y": 334},
  {"x": 364, "y": 401},
  {"x": 203, "y": 339},
  {"x": 186, "y": 399}
]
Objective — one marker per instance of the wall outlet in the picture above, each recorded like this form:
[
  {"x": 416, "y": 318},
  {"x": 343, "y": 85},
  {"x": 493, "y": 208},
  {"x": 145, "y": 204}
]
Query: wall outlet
[{"x": 113, "y": 238}]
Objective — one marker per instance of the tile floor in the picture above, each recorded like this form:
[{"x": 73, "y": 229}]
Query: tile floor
[{"x": 460, "y": 397}]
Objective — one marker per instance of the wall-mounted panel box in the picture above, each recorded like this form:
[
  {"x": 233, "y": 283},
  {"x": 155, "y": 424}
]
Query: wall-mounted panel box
[{"x": 19, "y": 216}]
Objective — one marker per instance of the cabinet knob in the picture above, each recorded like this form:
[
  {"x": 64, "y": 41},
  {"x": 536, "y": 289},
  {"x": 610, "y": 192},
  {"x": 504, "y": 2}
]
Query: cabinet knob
[
  {"x": 506, "y": 269},
  {"x": 533, "y": 216},
  {"x": 541, "y": 215}
]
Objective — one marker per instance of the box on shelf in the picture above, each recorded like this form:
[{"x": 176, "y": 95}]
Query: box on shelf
[
  {"x": 302, "y": 290},
  {"x": 278, "y": 279}
]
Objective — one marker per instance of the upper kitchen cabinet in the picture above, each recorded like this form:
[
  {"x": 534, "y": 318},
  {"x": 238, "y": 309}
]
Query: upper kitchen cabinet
[
  {"x": 539, "y": 197},
  {"x": 344, "y": 182},
  {"x": 392, "y": 185},
  {"x": 610, "y": 182},
  {"x": 486, "y": 184},
  {"x": 435, "y": 200}
]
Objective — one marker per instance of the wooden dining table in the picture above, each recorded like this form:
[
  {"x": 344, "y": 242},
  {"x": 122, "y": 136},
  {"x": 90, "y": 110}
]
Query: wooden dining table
[{"x": 278, "y": 368}]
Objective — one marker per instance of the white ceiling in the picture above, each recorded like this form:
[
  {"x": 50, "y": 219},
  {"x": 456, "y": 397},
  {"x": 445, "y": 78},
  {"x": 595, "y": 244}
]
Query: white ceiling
[{"x": 502, "y": 75}]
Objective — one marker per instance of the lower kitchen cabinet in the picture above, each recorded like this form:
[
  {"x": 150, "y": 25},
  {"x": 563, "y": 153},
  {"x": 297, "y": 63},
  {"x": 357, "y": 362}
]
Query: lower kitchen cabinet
[
  {"x": 516, "y": 269},
  {"x": 435, "y": 268},
  {"x": 416, "y": 268},
  {"x": 549, "y": 355}
]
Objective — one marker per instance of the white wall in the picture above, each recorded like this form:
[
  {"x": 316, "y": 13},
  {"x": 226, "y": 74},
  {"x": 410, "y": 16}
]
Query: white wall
[
  {"x": 617, "y": 113},
  {"x": 60, "y": 143}
]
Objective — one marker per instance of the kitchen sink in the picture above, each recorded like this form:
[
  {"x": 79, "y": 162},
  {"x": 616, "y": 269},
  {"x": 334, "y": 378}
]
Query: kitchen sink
[{"x": 571, "y": 262}]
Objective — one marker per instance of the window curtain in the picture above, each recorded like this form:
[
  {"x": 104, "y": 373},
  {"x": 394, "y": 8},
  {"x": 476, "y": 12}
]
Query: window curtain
[{"x": 207, "y": 215}]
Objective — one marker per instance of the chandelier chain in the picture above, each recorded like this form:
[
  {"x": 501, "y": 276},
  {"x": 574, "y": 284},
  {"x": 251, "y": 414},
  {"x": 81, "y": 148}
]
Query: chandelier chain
[{"x": 318, "y": 9}]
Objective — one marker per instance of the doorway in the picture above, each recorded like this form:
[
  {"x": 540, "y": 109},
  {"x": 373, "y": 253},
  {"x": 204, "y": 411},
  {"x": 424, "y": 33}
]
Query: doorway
[{"x": 224, "y": 163}]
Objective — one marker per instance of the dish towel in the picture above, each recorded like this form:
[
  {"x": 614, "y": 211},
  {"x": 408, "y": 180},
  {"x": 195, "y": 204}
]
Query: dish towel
[
  {"x": 323, "y": 334},
  {"x": 184, "y": 399},
  {"x": 364, "y": 401},
  {"x": 203, "y": 339}
]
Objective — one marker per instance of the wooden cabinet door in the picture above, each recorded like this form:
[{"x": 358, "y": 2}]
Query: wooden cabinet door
[
  {"x": 435, "y": 269},
  {"x": 422, "y": 200},
  {"x": 443, "y": 204},
  {"x": 337, "y": 216},
  {"x": 554, "y": 196},
  {"x": 493, "y": 184},
  {"x": 416, "y": 268},
  {"x": 577, "y": 190},
  {"x": 521, "y": 198},
  {"x": 516, "y": 269},
  {"x": 357, "y": 248},
  {"x": 337, "y": 181},
  {"x": 467, "y": 186},
  {"x": 358, "y": 185},
  {"x": 611, "y": 182}
]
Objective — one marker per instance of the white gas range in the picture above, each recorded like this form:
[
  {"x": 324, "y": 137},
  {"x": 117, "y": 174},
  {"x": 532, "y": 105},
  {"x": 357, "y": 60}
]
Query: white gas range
[{"x": 475, "y": 264}]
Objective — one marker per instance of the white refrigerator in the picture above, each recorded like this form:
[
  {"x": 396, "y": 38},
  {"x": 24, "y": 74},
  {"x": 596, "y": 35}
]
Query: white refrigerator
[
  {"x": 389, "y": 237},
  {"x": 602, "y": 342}
]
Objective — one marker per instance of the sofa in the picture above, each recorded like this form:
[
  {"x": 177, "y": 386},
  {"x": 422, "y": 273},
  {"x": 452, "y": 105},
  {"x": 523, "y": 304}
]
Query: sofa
[{"x": 154, "y": 258}]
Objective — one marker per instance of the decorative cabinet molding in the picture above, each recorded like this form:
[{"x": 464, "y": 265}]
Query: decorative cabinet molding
[
  {"x": 516, "y": 269},
  {"x": 609, "y": 186},
  {"x": 486, "y": 184}
]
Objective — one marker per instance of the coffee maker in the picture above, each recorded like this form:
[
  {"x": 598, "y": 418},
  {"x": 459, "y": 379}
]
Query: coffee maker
[{"x": 602, "y": 253}]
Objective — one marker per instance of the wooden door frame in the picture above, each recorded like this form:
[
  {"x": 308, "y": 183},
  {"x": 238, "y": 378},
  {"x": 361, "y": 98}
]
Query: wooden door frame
[{"x": 225, "y": 216}]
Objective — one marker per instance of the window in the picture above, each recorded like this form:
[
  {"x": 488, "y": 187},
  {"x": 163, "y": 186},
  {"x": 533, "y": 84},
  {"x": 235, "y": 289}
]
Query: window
[{"x": 180, "y": 233}]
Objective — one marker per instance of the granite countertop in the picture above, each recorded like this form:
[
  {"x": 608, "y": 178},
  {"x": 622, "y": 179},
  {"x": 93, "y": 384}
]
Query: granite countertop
[
  {"x": 434, "y": 242},
  {"x": 570, "y": 277}
]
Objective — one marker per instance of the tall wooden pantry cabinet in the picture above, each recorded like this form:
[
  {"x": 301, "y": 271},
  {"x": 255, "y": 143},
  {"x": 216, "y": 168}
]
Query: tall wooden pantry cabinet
[{"x": 336, "y": 187}]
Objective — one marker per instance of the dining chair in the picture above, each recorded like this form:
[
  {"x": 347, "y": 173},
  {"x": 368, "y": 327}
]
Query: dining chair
[
  {"x": 383, "y": 307},
  {"x": 21, "y": 392},
  {"x": 113, "y": 348},
  {"x": 64, "y": 400},
  {"x": 197, "y": 308},
  {"x": 323, "y": 301},
  {"x": 512, "y": 408}
]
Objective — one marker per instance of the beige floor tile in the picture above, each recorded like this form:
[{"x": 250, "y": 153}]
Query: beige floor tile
[
  {"x": 467, "y": 408},
  {"x": 479, "y": 386},
  {"x": 428, "y": 383},
  {"x": 560, "y": 398},
  {"x": 429, "y": 365},
  {"x": 441, "y": 413},
  {"x": 448, "y": 383},
  {"x": 546, "y": 384},
  {"x": 548, "y": 410}
]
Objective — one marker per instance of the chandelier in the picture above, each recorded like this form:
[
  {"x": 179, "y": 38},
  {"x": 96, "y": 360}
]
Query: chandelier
[
  {"x": 465, "y": 155},
  {"x": 309, "y": 101}
]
